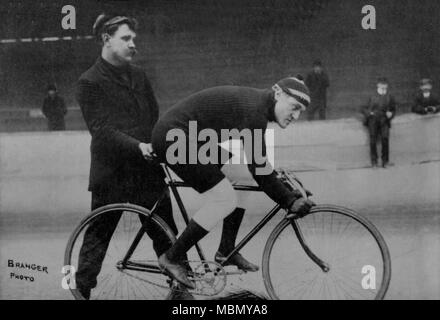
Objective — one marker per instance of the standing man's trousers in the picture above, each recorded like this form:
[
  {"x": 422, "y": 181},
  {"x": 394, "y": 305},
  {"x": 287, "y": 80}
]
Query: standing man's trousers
[
  {"x": 319, "y": 107},
  {"x": 379, "y": 130},
  {"x": 99, "y": 233}
]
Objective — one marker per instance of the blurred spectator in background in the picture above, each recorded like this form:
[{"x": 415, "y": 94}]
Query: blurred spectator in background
[
  {"x": 317, "y": 81},
  {"x": 54, "y": 109},
  {"x": 426, "y": 102},
  {"x": 378, "y": 114}
]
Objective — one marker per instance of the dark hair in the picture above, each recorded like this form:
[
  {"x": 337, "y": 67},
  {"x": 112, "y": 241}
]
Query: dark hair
[
  {"x": 104, "y": 24},
  {"x": 317, "y": 63},
  {"x": 51, "y": 87}
]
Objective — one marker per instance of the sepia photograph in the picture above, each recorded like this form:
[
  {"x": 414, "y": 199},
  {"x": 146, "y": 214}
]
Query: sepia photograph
[{"x": 220, "y": 150}]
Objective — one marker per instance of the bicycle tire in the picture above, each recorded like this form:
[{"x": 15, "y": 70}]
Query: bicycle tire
[
  {"x": 341, "y": 280},
  {"x": 133, "y": 284}
]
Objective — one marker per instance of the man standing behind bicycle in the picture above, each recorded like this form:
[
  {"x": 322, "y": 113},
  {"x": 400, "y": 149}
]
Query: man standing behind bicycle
[
  {"x": 120, "y": 109},
  {"x": 217, "y": 109}
]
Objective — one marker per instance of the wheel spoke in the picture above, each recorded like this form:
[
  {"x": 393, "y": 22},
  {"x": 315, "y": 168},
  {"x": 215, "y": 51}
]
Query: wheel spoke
[{"x": 114, "y": 281}]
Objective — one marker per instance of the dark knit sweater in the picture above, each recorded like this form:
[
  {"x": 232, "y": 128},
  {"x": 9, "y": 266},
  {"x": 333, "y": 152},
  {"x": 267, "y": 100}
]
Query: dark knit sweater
[{"x": 228, "y": 107}]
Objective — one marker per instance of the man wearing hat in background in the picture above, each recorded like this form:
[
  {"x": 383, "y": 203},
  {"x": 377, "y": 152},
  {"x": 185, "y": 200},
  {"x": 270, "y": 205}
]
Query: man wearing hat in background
[
  {"x": 54, "y": 109},
  {"x": 378, "y": 115},
  {"x": 317, "y": 81},
  {"x": 217, "y": 109},
  {"x": 426, "y": 102}
]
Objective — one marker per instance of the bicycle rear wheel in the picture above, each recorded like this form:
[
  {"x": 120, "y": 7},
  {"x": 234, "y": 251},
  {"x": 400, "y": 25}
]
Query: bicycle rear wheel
[
  {"x": 119, "y": 277},
  {"x": 353, "y": 249}
]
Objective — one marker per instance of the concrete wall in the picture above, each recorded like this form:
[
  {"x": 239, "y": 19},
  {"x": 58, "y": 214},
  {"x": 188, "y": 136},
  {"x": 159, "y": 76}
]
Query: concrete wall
[
  {"x": 47, "y": 172},
  {"x": 26, "y": 120}
]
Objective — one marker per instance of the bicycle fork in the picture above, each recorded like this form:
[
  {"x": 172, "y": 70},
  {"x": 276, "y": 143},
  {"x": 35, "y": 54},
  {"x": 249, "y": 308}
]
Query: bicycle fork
[{"x": 325, "y": 267}]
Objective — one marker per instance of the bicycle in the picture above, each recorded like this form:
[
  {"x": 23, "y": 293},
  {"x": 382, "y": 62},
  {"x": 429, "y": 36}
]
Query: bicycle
[{"x": 331, "y": 253}]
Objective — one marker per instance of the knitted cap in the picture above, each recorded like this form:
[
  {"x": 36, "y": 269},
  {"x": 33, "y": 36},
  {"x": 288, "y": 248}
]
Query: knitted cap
[{"x": 296, "y": 88}]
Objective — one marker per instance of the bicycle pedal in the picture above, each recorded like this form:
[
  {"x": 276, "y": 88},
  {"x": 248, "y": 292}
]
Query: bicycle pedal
[{"x": 233, "y": 269}]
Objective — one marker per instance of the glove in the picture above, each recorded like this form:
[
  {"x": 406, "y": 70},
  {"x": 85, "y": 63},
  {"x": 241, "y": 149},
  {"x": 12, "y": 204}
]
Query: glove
[
  {"x": 301, "y": 207},
  {"x": 298, "y": 194}
]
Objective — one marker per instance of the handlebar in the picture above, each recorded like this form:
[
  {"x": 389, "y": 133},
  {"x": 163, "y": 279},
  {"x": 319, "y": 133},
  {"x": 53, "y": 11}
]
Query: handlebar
[{"x": 289, "y": 177}]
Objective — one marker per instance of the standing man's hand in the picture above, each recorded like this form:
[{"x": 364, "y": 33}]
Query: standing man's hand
[
  {"x": 147, "y": 150},
  {"x": 389, "y": 114},
  {"x": 431, "y": 109}
]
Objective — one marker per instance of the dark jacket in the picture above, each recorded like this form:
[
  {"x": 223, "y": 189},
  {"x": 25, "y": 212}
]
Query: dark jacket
[
  {"x": 318, "y": 84},
  {"x": 54, "y": 109},
  {"x": 422, "y": 103},
  {"x": 119, "y": 114},
  {"x": 377, "y": 108}
]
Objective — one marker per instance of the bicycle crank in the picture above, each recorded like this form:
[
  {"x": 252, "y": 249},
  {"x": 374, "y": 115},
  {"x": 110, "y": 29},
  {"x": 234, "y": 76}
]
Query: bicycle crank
[{"x": 209, "y": 277}]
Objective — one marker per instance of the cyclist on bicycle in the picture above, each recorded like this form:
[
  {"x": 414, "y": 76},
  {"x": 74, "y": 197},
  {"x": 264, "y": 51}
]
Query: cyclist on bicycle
[{"x": 217, "y": 109}]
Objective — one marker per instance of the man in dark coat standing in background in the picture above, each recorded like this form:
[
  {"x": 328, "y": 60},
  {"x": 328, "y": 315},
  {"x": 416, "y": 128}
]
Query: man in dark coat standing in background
[
  {"x": 54, "y": 109},
  {"x": 120, "y": 110},
  {"x": 378, "y": 115},
  {"x": 317, "y": 81}
]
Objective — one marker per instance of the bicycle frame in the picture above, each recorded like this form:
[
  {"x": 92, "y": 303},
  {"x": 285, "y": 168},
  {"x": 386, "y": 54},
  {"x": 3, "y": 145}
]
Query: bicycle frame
[
  {"x": 295, "y": 183},
  {"x": 174, "y": 185},
  {"x": 139, "y": 257}
]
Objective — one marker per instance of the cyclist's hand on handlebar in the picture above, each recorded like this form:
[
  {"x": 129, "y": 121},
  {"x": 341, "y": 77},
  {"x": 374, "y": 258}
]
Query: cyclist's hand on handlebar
[
  {"x": 299, "y": 194},
  {"x": 147, "y": 150},
  {"x": 301, "y": 207}
]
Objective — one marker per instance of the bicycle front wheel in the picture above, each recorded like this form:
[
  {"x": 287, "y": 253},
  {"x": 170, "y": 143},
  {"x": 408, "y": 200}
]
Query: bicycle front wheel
[
  {"x": 111, "y": 253},
  {"x": 355, "y": 260}
]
